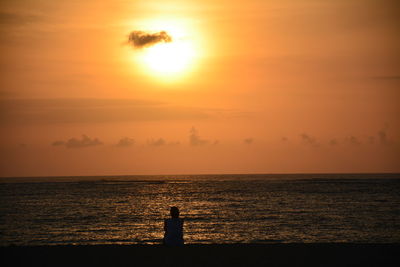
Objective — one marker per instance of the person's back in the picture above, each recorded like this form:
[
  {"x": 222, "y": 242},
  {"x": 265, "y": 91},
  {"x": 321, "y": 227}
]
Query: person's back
[{"x": 173, "y": 229}]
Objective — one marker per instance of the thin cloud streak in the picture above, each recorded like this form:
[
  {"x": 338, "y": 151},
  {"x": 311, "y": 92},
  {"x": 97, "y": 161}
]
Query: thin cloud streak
[
  {"x": 387, "y": 77},
  {"x": 15, "y": 19},
  {"x": 59, "y": 111}
]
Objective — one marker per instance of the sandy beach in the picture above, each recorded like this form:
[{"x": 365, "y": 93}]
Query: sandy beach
[{"x": 329, "y": 254}]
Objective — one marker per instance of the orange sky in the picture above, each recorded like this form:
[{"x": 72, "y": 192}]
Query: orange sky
[{"x": 271, "y": 87}]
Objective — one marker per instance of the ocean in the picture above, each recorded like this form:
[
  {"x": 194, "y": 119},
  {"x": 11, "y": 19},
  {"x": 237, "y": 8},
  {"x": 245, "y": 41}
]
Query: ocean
[{"x": 217, "y": 209}]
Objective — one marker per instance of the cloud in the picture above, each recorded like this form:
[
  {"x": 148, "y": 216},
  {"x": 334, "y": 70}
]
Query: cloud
[
  {"x": 139, "y": 39},
  {"x": 177, "y": 143},
  {"x": 194, "y": 138},
  {"x": 58, "y": 143},
  {"x": 248, "y": 141},
  {"x": 309, "y": 140},
  {"x": 382, "y": 137},
  {"x": 92, "y": 110},
  {"x": 387, "y": 77},
  {"x": 354, "y": 140},
  {"x": 73, "y": 142},
  {"x": 333, "y": 142},
  {"x": 9, "y": 18},
  {"x": 125, "y": 142},
  {"x": 157, "y": 142},
  {"x": 162, "y": 142}
]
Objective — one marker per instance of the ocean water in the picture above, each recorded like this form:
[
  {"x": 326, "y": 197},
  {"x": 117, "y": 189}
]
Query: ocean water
[{"x": 216, "y": 208}]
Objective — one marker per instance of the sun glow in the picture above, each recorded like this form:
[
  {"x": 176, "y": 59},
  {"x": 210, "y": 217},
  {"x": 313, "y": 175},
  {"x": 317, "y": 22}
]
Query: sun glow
[
  {"x": 173, "y": 60},
  {"x": 168, "y": 58}
]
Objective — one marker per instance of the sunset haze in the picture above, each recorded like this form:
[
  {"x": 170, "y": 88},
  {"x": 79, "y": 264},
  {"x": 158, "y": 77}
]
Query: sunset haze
[{"x": 200, "y": 87}]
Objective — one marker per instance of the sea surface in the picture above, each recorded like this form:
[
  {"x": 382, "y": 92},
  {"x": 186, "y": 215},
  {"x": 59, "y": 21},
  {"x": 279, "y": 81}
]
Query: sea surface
[{"x": 216, "y": 208}]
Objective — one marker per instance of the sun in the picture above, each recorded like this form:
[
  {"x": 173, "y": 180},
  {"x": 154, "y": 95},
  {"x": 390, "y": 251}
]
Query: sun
[{"x": 169, "y": 61}]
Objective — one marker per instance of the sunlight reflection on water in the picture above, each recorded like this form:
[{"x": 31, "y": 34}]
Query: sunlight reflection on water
[{"x": 247, "y": 210}]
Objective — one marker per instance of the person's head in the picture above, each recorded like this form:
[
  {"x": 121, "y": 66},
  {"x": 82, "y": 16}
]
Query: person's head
[{"x": 174, "y": 212}]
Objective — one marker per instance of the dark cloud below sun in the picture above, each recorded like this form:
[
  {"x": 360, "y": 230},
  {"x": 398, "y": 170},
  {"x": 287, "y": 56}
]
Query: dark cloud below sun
[{"x": 140, "y": 39}]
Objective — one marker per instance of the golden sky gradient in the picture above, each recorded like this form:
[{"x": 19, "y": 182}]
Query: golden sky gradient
[{"x": 263, "y": 86}]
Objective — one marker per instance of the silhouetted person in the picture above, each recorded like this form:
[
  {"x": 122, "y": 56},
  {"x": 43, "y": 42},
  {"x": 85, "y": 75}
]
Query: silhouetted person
[{"x": 173, "y": 228}]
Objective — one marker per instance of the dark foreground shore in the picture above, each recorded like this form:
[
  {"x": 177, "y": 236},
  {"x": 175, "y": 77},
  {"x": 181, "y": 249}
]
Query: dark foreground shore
[{"x": 205, "y": 255}]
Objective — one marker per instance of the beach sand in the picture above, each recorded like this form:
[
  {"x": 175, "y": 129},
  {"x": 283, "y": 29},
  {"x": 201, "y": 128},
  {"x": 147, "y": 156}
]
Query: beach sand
[{"x": 205, "y": 255}]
